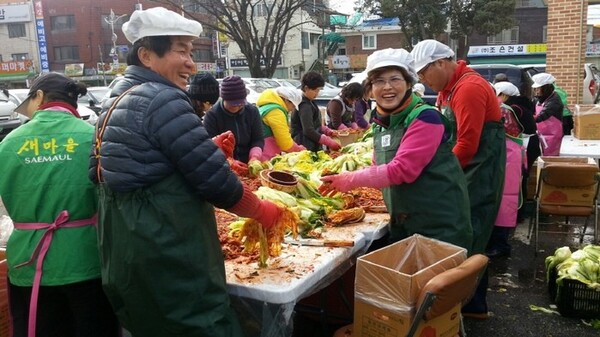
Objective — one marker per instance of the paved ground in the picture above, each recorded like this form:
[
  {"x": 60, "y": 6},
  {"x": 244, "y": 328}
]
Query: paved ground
[{"x": 515, "y": 283}]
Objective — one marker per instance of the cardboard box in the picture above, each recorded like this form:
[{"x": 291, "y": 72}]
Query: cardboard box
[
  {"x": 532, "y": 182},
  {"x": 388, "y": 282},
  {"x": 586, "y": 122},
  {"x": 568, "y": 196}
]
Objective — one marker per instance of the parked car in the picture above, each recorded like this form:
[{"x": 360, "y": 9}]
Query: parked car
[
  {"x": 517, "y": 75},
  {"x": 19, "y": 95},
  {"x": 9, "y": 119},
  {"x": 93, "y": 98},
  {"x": 591, "y": 84}
]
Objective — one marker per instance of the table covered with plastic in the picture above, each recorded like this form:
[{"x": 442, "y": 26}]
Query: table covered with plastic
[{"x": 265, "y": 298}]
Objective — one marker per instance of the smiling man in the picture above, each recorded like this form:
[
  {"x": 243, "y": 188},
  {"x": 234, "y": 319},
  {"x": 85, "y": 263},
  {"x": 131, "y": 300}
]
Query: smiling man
[{"x": 159, "y": 174}]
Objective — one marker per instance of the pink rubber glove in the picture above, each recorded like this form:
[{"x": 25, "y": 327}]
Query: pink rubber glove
[
  {"x": 330, "y": 143},
  {"x": 375, "y": 176},
  {"x": 326, "y": 131},
  {"x": 255, "y": 153},
  {"x": 296, "y": 148},
  {"x": 354, "y": 126},
  {"x": 250, "y": 206},
  {"x": 342, "y": 127}
]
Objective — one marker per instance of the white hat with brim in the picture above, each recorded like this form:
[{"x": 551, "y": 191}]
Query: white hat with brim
[
  {"x": 159, "y": 21},
  {"x": 428, "y": 51},
  {"x": 542, "y": 79},
  {"x": 391, "y": 57},
  {"x": 506, "y": 88}
]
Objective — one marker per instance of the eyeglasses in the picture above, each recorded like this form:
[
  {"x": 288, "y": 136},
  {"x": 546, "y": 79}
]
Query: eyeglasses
[
  {"x": 421, "y": 74},
  {"x": 381, "y": 82}
]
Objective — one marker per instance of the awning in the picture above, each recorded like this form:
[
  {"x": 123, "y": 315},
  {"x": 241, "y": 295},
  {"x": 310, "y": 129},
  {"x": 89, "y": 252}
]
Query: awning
[
  {"x": 516, "y": 60},
  {"x": 332, "y": 37}
]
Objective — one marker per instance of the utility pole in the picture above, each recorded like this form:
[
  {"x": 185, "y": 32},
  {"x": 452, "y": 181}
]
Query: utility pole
[{"x": 111, "y": 20}]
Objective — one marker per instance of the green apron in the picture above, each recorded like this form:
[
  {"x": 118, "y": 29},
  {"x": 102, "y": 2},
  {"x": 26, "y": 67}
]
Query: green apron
[
  {"x": 162, "y": 264},
  {"x": 485, "y": 179},
  {"x": 264, "y": 110},
  {"x": 436, "y": 204}
]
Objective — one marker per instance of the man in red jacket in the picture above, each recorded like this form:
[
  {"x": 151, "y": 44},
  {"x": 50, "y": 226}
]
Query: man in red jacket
[{"x": 470, "y": 103}]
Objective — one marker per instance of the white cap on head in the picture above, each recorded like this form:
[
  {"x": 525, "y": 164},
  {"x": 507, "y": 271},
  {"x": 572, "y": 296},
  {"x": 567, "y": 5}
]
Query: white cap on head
[
  {"x": 159, "y": 21},
  {"x": 420, "y": 88},
  {"x": 292, "y": 94},
  {"x": 392, "y": 57},
  {"x": 542, "y": 79},
  {"x": 506, "y": 88},
  {"x": 428, "y": 51}
]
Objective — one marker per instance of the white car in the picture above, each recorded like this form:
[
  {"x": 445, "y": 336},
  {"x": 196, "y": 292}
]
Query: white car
[
  {"x": 19, "y": 95},
  {"x": 9, "y": 119}
]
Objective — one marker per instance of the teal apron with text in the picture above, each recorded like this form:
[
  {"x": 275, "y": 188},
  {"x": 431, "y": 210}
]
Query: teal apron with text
[
  {"x": 485, "y": 179},
  {"x": 436, "y": 203},
  {"x": 162, "y": 264}
]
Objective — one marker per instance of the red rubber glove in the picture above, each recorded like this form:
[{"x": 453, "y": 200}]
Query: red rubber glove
[
  {"x": 226, "y": 142},
  {"x": 238, "y": 167},
  {"x": 268, "y": 214},
  {"x": 330, "y": 143},
  {"x": 250, "y": 206}
]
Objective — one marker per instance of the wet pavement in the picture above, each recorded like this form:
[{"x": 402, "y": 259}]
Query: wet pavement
[{"x": 515, "y": 283}]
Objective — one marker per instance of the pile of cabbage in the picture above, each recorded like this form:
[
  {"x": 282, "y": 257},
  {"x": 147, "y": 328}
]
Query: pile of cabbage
[{"x": 582, "y": 265}]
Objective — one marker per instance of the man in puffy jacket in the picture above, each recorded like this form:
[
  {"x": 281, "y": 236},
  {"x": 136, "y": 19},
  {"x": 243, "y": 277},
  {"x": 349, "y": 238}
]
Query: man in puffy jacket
[{"x": 159, "y": 175}]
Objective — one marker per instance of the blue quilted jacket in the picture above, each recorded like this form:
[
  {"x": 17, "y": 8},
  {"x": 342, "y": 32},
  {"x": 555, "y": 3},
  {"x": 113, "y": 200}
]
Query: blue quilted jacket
[{"x": 153, "y": 133}]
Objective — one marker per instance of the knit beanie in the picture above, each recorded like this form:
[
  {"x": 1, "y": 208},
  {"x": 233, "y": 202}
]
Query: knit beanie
[
  {"x": 205, "y": 88},
  {"x": 233, "y": 90}
]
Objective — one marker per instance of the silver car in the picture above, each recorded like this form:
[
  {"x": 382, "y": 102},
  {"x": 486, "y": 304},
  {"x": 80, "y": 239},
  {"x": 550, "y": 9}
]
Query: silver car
[
  {"x": 9, "y": 119},
  {"x": 19, "y": 95}
]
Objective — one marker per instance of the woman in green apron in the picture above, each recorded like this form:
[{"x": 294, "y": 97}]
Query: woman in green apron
[{"x": 423, "y": 185}]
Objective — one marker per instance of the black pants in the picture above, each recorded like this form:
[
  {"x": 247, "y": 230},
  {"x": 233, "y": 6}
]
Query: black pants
[{"x": 74, "y": 310}]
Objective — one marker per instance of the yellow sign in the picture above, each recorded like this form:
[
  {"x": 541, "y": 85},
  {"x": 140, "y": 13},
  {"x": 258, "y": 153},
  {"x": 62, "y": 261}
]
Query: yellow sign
[{"x": 74, "y": 69}]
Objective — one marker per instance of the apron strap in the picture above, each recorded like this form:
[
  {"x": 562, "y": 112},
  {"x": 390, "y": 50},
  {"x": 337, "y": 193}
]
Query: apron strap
[
  {"x": 100, "y": 132},
  {"x": 39, "y": 253}
]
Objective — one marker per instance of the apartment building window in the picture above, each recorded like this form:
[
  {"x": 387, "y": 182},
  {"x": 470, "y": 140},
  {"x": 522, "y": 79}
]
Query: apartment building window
[
  {"x": 507, "y": 36},
  {"x": 524, "y": 3},
  {"x": 194, "y": 6},
  {"x": 261, "y": 10},
  {"x": 369, "y": 41},
  {"x": 19, "y": 56},
  {"x": 62, "y": 22},
  {"x": 545, "y": 34},
  {"x": 305, "y": 41},
  {"x": 16, "y": 30},
  {"x": 66, "y": 53}
]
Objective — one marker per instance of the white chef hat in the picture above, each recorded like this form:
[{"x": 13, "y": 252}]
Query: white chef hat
[
  {"x": 420, "y": 88},
  {"x": 159, "y": 21},
  {"x": 392, "y": 57},
  {"x": 292, "y": 94},
  {"x": 542, "y": 79},
  {"x": 428, "y": 51},
  {"x": 506, "y": 88}
]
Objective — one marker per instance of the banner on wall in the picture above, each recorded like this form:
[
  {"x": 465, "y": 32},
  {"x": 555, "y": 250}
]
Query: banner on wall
[{"x": 41, "y": 36}]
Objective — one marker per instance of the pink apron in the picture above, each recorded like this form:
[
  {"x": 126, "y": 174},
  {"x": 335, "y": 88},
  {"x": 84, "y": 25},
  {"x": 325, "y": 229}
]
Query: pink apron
[
  {"x": 550, "y": 133},
  {"x": 511, "y": 195},
  {"x": 39, "y": 253}
]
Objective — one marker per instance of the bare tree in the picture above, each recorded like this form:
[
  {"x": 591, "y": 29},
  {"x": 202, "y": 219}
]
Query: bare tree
[{"x": 259, "y": 27}]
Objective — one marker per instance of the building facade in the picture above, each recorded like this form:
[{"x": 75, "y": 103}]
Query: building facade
[{"x": 19, "y": 55}]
